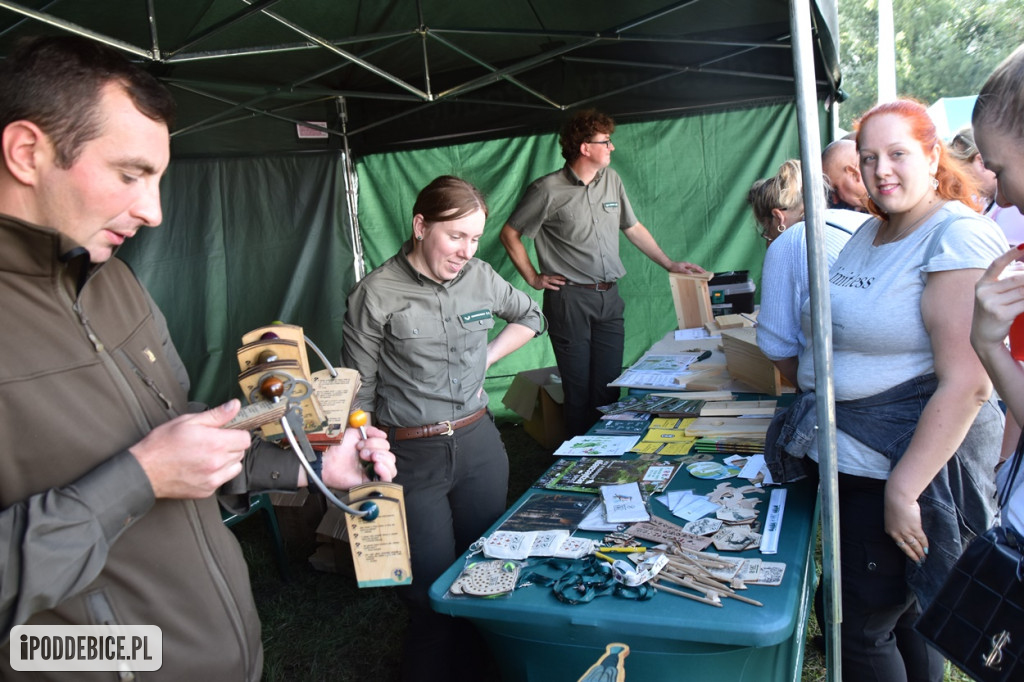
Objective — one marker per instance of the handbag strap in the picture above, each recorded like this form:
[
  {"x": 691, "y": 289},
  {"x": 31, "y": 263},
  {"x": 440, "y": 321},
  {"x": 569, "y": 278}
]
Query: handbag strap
[{"x": 1004, "y": 495}]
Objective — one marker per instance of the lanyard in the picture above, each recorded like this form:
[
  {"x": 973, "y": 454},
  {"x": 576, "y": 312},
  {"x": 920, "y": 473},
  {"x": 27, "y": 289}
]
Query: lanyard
[{"x": 582, "y": 580}]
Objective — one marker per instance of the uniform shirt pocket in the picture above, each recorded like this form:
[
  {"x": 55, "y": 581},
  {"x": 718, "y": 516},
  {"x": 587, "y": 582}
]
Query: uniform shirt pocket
[
  {"x": 475, "y": 331},
  {"x": 563, "y": 216},
  {"x": 417, "y": 344}
]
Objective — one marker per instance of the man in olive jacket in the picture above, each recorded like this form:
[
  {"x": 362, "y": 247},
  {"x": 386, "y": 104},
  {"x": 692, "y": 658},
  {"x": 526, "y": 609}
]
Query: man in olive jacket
[{"x": 107, "y": 483}]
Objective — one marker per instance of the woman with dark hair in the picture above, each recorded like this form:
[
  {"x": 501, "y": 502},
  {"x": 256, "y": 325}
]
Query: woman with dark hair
[
  {"x": 917, "y": 429},
  {"x": 417, "y": 329},
  {"x": 999, "y": 132}
]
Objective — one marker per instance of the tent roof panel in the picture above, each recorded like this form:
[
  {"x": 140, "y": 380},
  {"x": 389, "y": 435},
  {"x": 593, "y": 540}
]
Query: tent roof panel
[{"x": 396, "y": 73}]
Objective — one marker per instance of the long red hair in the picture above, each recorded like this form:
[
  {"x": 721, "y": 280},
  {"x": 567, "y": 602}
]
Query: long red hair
[{"x": 954, "y": 183}]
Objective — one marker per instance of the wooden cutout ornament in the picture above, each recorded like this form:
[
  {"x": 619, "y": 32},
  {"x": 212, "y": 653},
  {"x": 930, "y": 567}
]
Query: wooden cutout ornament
[
  {"x": 660, "y": 530},
  {"x": 727, "y": 496},
  {"x": 735, "y": 539},
  {"x": 703, "y": 526},
  {"x": 487, "y": 578},
  {"x": 736, "y": 515}
]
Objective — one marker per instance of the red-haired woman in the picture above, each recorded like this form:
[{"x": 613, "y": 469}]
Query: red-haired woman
[{"x": 918, "y": 429}]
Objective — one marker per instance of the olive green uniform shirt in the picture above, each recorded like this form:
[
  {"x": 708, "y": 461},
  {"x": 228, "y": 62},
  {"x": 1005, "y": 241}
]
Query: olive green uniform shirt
[
  {"x": 576, "y": 226},
  {"x": 421, "y": 347}
]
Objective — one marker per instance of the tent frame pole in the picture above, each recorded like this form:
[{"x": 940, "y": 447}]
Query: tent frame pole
[
  {"x": 821, "y": 326},
  {"x": 351, "y": 195}
]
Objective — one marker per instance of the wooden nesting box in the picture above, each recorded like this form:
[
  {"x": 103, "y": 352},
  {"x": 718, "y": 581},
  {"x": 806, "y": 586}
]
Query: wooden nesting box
[
  {"x": 692, "y": 298},
  {"x": 747, "y": 363}
]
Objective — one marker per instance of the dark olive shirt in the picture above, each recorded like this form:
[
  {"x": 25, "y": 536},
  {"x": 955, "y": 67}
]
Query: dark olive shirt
[
  {"x": 420, "y": 346},
  {"x": 576, "y": 226}
]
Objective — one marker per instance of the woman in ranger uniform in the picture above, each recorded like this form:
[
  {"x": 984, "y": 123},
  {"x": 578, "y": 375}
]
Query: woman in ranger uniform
[{"x": 417, "y": 329}]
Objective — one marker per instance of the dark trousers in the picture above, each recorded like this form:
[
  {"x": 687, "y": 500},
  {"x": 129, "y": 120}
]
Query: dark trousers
[
  {"x": 455, "y": 487},
  {"x": 587, "y": 331},
  {"x": 879, "y": 609}
]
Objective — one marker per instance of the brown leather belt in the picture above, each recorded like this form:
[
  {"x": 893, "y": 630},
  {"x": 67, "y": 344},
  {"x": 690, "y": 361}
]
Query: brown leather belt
[
  {"x": 439, "y": 429},
  {"x": 599, "y": 286}
]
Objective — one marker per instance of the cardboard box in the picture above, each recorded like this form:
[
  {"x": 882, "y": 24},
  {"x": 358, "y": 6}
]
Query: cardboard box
[
  {"x": 536, "y": 396},
  {"x": 298, "y": 514},
  {"x": 333, "y": 553}
]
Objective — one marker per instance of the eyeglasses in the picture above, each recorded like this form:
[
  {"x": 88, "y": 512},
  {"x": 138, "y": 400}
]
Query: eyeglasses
[
  {"x": 964, "y": 145},
  {"x": 607, "y": 143}
]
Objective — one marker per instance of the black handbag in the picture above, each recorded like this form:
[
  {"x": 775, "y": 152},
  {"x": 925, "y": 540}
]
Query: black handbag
[{"x": 977, "y": 618}]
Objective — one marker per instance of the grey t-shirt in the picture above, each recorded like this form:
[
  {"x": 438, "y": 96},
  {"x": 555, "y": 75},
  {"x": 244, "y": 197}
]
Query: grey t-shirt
[
  {"x": 878, "y": 335},
  {"x": 576, "y": 226}
]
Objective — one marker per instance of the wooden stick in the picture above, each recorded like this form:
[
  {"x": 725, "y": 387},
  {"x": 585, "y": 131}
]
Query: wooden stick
[
  {"x": 685, "y": 594},
  {"x": 748, "y": 600},
  {"x": 726, "y": 592},
  {"x": 687, "y": 570}
]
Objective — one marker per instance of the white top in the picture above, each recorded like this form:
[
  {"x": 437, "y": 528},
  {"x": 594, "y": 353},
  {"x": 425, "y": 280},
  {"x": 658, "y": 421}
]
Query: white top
[
  {"x": 1012, "y": 514},
  {"x": 784, "y": 282},
  {"x": 1010, "y": 220},
  {"x": 878, "y": 334}
]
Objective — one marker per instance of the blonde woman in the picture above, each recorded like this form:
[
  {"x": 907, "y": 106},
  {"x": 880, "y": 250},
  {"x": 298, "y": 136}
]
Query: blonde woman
[
  {"x": 1007, "y": 216},
  {"x": 778, "y": 201},
  {"x": 784, "y": 279}
]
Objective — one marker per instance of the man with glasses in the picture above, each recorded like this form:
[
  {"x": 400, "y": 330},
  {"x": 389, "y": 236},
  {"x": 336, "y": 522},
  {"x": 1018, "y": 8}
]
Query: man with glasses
[{"x": 575, "y": 215}]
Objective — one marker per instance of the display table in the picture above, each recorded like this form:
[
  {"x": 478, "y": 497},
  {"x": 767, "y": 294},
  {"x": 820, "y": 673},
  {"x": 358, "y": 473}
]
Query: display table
[{"x": 538, "y": 638}]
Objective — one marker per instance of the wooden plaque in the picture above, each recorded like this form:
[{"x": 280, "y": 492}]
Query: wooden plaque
[{"x": 380, "y": 548}]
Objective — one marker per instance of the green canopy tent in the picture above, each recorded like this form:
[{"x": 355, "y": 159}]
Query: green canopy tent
[
  {"x": 262, "y": 223},
  {"x": 306, "y": 128}
]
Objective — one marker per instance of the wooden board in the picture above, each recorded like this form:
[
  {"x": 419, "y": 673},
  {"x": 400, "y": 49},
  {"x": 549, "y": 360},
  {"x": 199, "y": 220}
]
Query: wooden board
[
  {"x": 733, "y": 408},
  {"x": 734, "y": 321},
  {"x": 692, "y": 299},
  {"x": 716, "y": 427},
  {"x": 748, "y": 364},
  {"x": 710, "y": 380},
  {"x": 282, "y": 349},
  {"x": 380, "y": 544},
  {"x": 700, "y": 395},
  {"x": 284, "y": 331}
]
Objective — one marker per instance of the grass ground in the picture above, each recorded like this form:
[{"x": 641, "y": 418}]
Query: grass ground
[{"x": 321, "y": 627}]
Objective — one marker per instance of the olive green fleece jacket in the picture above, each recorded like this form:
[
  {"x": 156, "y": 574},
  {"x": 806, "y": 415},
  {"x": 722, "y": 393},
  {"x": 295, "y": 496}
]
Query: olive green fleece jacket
[{"x": 87, "y": 370}]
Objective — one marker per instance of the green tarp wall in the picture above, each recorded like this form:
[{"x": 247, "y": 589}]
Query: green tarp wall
[
  {"x": 251, "y": 240},
  {"x": 246, "y": 242}
]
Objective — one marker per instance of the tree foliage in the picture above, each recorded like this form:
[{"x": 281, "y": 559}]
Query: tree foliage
[{"x": 944, "y": 48}]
